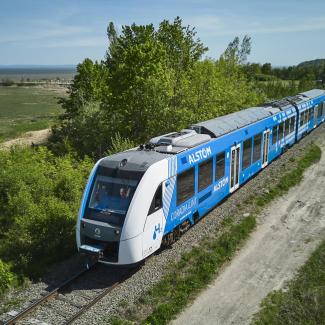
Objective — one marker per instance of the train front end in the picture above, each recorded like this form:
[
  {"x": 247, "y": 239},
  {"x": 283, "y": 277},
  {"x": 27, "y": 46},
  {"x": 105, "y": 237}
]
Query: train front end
[{"x": 112, "y": 221}]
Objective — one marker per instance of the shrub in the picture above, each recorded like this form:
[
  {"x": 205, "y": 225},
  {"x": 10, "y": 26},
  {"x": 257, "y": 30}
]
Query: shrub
[
  {"x": 6, "y": 276},
  {"x": 40, "y": 195}
]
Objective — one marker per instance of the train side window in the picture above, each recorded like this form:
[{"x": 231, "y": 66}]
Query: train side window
[
  {"x": 319, "y": 113},
  {"x": 274, "y": 134},
  {"x": 292, "y": 124},
  {"x": 247, "y": 153},
  {"x": 323, "y": 108},
  {"x": 257, "y": 147},
  {"x": 185, "y": 185},
  {"x": 311, "y": 113},
  {"x": 220, "y": 165},
  {"x": 156, "y": 203},
  {"x": 301, "y": 122},
  {"x": 280, "y": 133},
  {"x": 205, "y": 174},
  {"x": 287, "y": 127}
]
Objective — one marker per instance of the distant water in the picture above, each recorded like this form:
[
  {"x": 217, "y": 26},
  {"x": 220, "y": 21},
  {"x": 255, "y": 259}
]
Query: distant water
[{"x": 20, "y": 73}]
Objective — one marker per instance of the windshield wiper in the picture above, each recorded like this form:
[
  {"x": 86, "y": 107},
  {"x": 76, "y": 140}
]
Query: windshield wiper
[{"x": 113, "y": 211}]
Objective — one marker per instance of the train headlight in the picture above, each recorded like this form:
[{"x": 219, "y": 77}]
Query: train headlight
[{"x": 117, "y": 232}]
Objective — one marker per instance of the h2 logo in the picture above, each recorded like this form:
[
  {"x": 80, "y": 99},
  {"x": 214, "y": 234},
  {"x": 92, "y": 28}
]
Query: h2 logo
[{"x": 157, "y": 230}]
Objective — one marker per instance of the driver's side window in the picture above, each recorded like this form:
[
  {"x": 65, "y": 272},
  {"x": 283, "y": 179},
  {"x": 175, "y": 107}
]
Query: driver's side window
[{"x": 156, "y": 203}]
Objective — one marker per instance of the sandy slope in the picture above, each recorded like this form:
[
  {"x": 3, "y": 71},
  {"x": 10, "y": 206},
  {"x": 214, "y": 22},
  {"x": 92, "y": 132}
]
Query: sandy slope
[
  {"x": 29, "y": 138},
  {"x": 288, "y": 231}
]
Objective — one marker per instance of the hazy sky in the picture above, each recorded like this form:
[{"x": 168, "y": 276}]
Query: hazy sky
[{"x": 284, "y": 32}]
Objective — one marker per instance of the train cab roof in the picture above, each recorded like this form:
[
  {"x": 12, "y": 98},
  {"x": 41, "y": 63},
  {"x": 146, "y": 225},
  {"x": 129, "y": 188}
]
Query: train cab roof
[
  {"x": 225, "y": 124},
  {"x": 133, "y": 160}
]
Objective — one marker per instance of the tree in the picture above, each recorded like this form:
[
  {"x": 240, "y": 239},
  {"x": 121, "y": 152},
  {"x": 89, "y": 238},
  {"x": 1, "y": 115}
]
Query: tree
[
  {"x": 266, "y": 68},
  {"x": 152, "y": 81},
  {"x": 238, "y": 51},
  {"x": 89, "y": 84}
]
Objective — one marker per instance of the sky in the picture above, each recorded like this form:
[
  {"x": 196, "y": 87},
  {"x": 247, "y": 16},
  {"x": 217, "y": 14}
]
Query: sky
[{"x": 41, "y": 32}]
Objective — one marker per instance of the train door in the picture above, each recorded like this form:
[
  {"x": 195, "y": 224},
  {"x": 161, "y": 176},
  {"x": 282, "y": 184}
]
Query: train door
[
  {"x": 315, "y": 115},
  {"x": 234, "y": 167},
  {"x": 154, "y": 227},
  {"x": 265, "y": 149}
]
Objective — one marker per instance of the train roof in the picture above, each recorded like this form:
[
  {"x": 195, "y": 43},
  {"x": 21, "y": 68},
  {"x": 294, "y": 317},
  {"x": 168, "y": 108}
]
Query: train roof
[
  {"x": 164, "y": 146},
  {"x": 231, "y": 122},
  {"x": 313, "y": 93},
  {"x": 134, "y": 159}
]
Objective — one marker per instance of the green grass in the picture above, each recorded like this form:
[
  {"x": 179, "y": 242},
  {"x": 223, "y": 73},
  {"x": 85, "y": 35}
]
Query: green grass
[
  {"x": 25, "y": 109},
  {"x": 8, "y": 305},
  {"x": 197, "y": 268},
  {"x": 303, "y": 302}
]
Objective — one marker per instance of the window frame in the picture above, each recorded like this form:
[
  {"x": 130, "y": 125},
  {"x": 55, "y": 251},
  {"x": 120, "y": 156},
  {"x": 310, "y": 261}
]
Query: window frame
[
  {"x": 287, "y": 127},
  {"x": 281, "y": 131},
  {"x": 217, "y": 167},
  {"x": 292, "y": 124},
  {"x": 153, "y": 208},
  {"x": 275, "y": 138},
  {"x": 244, "y": 167},
  {"x": 258, "y": 135},
  {"x": 192, "y": 169},
  {"x": 203, "y": 163},
  {"x": 301, "y": 122}
]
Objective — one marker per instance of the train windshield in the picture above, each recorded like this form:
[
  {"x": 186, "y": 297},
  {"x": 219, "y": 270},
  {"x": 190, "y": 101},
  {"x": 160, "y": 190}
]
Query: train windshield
[{"x": 111, "y": 195}]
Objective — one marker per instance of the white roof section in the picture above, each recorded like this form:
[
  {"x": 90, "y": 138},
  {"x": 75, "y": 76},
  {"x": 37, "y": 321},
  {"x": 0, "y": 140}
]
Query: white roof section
[{"x": 231, "y": 122}]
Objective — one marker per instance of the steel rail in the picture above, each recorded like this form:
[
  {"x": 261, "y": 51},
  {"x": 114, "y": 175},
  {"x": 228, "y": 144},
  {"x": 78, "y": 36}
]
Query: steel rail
[{"x": 52, "y": 294}]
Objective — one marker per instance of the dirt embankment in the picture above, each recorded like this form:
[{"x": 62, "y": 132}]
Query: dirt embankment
[
  {"x": 28, "y": 139},
  {"x": 288, "y": 231}
]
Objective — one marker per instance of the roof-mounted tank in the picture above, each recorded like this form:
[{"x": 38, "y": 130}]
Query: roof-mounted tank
[{"x": 176, "y": 142}]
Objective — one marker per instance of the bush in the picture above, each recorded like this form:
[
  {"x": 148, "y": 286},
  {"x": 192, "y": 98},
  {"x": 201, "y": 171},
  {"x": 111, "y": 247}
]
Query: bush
[
  {"x": 40, "y": 195},
  {"x": 6, "y": 277}
]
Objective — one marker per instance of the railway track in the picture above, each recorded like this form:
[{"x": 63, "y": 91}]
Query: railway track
[{"x": 59, "y": 293}]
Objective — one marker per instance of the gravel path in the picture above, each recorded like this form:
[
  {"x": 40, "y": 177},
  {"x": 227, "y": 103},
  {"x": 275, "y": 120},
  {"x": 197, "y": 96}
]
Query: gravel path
[
  {"x": 27, "y": 139},
  {"x": 289, "y": 231},
  {"x": 129, "y": 291}
]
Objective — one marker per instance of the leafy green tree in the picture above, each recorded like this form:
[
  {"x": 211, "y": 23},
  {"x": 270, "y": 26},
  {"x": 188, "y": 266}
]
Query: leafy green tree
[
  {"x": 266, "y": 68},
  {"x": 89, "y": 84},
  {"x": 237, "y": 50},
  {"x": 153, "y": 82}
]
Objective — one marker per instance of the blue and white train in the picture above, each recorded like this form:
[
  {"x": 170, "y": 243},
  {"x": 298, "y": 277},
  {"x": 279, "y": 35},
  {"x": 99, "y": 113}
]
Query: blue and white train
[{"x": 139, "y": 199}]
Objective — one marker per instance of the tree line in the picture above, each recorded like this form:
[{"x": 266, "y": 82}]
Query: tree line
[{"x": 305, "y": 71}]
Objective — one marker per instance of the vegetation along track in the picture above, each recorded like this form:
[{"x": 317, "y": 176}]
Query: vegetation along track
[{"x": 62, "y": 304}]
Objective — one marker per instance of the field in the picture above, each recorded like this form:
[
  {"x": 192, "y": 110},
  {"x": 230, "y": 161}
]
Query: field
[{"x": 25, "y": 109}]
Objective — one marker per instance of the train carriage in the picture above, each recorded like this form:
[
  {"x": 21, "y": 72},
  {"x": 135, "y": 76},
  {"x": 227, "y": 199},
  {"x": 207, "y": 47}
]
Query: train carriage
[
  {"x": 138, "y": 199},
  {"x": 310, "y": 110}
]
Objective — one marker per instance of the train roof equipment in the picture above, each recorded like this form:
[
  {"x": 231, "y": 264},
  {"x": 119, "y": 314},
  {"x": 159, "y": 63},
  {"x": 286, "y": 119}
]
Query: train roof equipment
[{"x": 176, "y": 142}]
